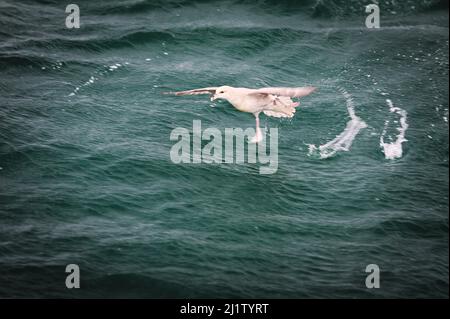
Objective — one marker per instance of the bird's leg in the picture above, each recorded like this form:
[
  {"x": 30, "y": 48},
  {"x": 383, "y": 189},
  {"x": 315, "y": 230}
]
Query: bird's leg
[{"x": 258, "y": 136}]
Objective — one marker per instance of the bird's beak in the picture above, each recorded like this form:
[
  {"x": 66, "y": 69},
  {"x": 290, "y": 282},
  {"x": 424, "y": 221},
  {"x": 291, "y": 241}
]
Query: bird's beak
[{"x": 213, "y": 97}]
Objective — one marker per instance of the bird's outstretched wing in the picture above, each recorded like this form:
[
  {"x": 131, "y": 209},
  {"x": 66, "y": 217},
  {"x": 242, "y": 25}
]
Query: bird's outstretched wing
[
  {"x": 281, "y": 91},
  {"x": 209, "y": 90}
]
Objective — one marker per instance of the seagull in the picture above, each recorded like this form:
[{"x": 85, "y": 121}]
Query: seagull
[{"x": 272, "y": 101}]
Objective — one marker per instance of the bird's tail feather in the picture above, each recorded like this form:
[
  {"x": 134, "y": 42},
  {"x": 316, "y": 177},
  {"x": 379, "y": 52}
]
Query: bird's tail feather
[
  {"x": 282, "y": 106},
  {"x": 288, "y": 112}
]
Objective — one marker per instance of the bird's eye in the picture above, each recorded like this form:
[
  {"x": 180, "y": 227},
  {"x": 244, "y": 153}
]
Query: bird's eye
[{"x": 221, "y": 92}]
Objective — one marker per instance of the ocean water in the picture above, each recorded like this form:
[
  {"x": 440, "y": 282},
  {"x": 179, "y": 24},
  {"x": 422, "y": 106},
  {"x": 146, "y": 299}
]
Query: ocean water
[{"x": 86, "y": 176}]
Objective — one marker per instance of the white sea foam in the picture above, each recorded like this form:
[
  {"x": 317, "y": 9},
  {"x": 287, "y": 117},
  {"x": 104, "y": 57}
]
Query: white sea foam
[
  {"x": 96, "y": 75},
  {"x": 394, "y": 149},
  {"x": 344, "y": 140}
]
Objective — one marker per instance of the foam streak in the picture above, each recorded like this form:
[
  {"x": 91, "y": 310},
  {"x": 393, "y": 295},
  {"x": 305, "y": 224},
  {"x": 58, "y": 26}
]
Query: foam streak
[
  {"x": 394, "y": 150},
  {"x": 344, "y": 140}
]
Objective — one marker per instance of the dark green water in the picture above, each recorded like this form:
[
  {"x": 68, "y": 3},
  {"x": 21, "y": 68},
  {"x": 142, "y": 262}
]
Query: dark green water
[{"x": 86, "y": 176}]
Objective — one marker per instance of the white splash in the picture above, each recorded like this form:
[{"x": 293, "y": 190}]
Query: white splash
[
  {"x": 114, "y": 66},
  {"x": 394, "y": 149},
  {"x": 96, "y": 76},
  {"x": 343, "y": 141}
]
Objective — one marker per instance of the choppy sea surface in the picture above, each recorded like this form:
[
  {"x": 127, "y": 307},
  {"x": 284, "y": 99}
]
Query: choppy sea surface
[{"x": 86, "y": 176}]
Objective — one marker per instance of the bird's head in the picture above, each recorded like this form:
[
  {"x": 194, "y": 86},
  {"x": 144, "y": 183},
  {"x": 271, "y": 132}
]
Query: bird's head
[{"x": 221, "y": 93}]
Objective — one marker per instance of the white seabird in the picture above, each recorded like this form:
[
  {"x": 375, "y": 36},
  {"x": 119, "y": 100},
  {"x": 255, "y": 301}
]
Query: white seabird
[{"x": 272, "y": 101}]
